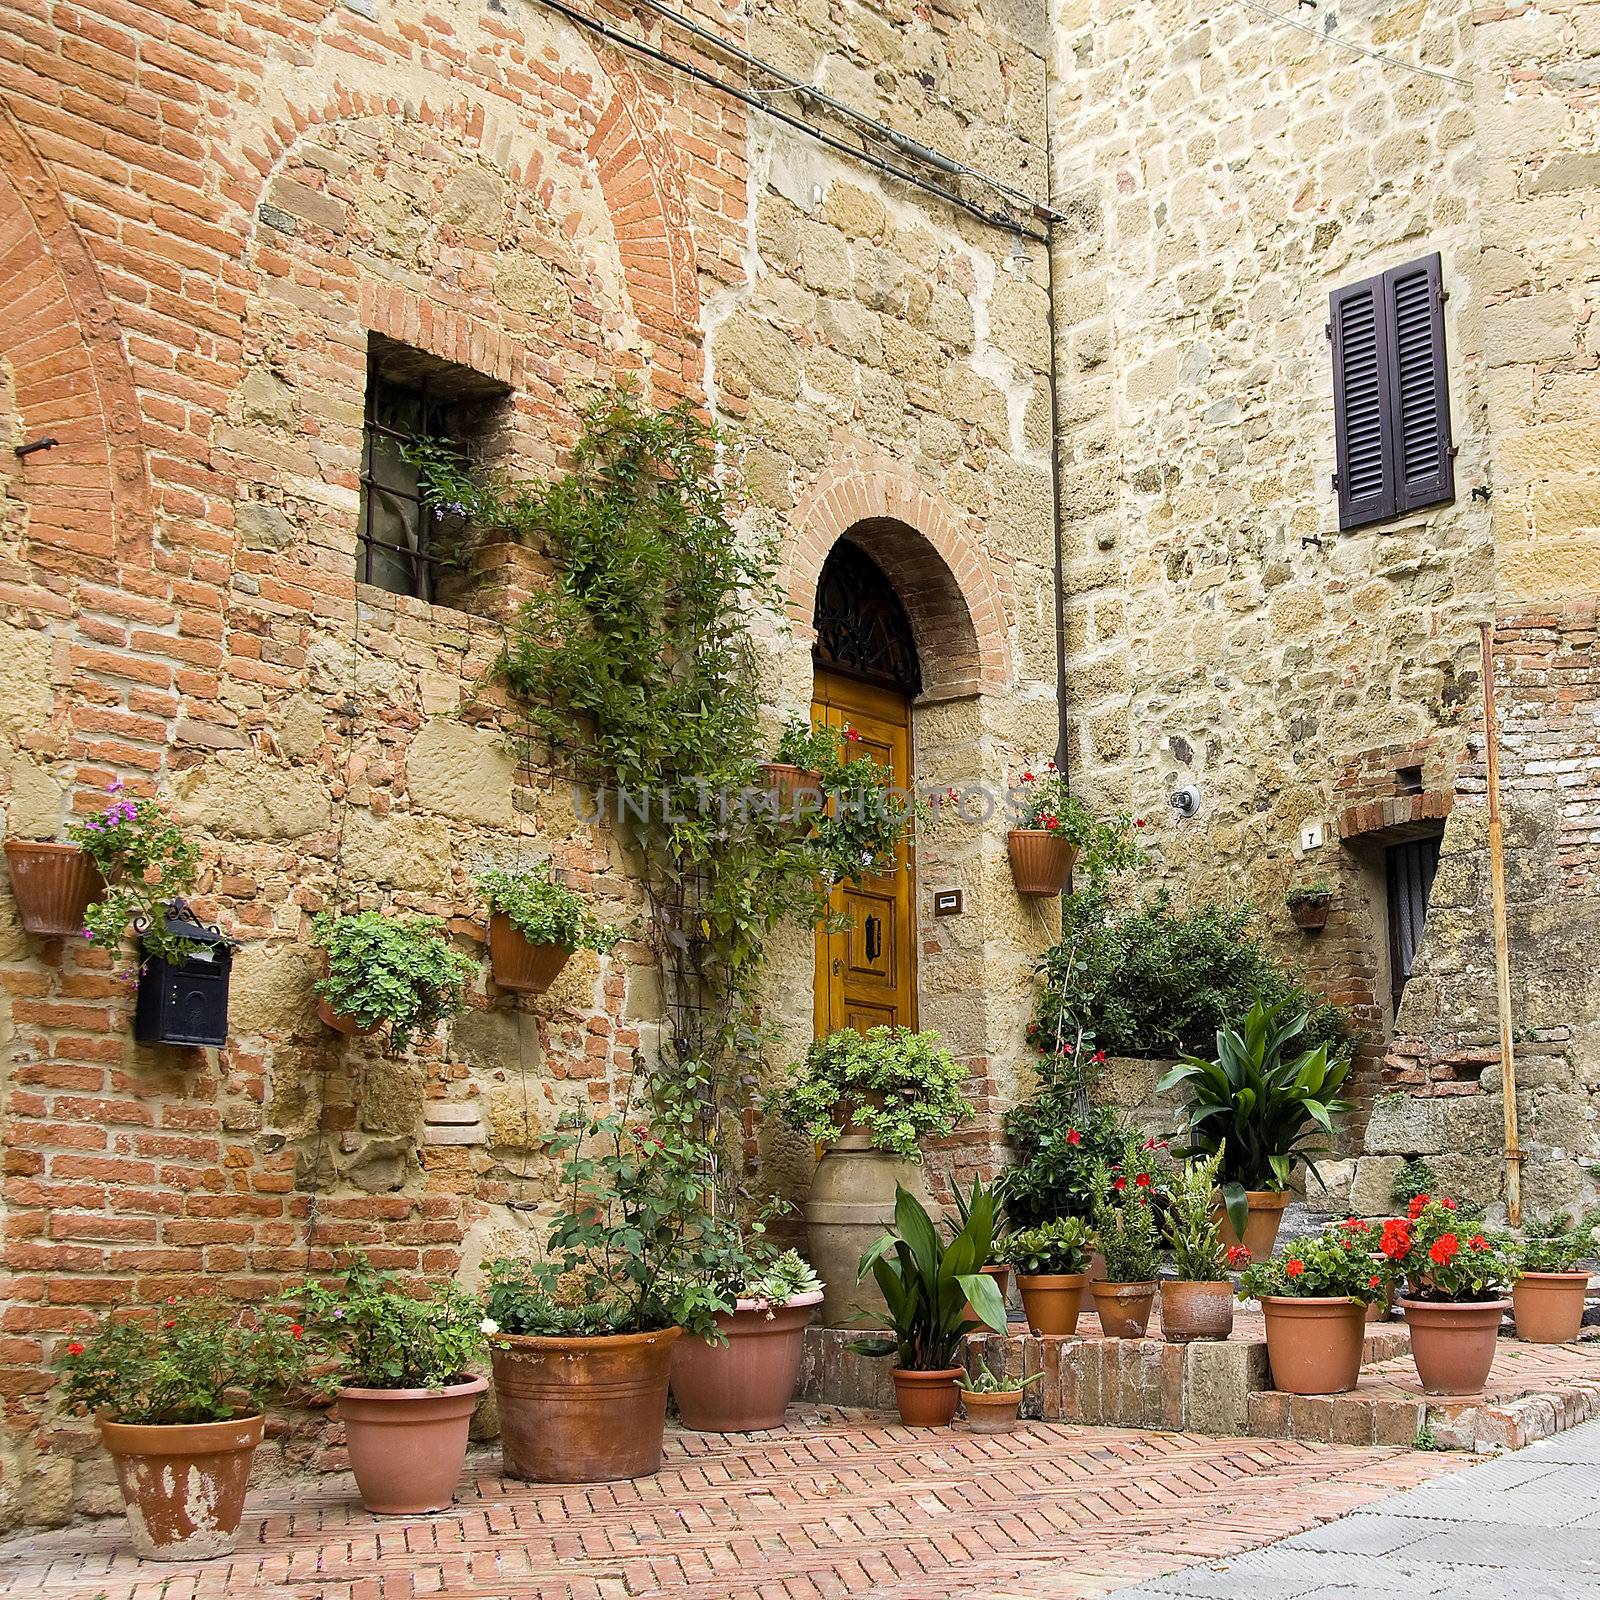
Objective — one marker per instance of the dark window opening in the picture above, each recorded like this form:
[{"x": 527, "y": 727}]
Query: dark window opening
[
  {"x": 411, "y": 396},
  {"x": 862, "y": 628},
  {"x": 1408, "y": 780},
  {"x": 1409, "y": 871}
]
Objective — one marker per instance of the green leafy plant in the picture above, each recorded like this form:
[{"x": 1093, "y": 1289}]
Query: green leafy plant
[
  {"x": 398, "y": 971},
  {"x": 1446, "y": 1257},
  {"x": 381, "y": 1337},
  {"x": 542, "y": 910},
  {"x": 1259, "y": 1105},
  {"x": 1414, "y": 1177},
  {"x": 1125, "y": 1230},
  {"x": 146, "y": 863},
  {"x": 1308, "y": 894},
  {"x": 1333, "y": 1265},
  {"x": 807, "y": 746},
  {"x": 1556, "y": 1243},
  {"x": 893, "y": 1084},
  {"x": 1190, "y": 1224},
  {"x": 776, "y": 1282},
  {"x": 1158, "y": 982},
  {"x": 187, "y": 1361},
  {"x": 1061, "y": 1246},
  {"x": 927, "y": 1286},
  {"x": 966, "y": 1200},
  {"x": 633, "y": 1246},
  {"x": 1043, "y": 801},
  {"x": 991, "y": 1380}
]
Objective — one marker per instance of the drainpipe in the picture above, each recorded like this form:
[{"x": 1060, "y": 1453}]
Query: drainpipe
[
  {"x": 1502, "y": 950},
  {"x": 1051, "y": 221}
]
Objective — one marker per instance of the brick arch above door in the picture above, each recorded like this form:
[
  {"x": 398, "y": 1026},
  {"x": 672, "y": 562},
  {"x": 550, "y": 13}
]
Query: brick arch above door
[{"x": 959, "y": 611}]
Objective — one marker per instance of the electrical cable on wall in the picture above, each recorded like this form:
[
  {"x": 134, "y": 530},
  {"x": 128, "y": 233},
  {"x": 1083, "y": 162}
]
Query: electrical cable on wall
[{"x": 1349, "y": 44}]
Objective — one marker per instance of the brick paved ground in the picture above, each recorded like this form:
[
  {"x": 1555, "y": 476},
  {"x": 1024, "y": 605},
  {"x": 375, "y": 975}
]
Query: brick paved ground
[{"x": 827, "y": 1507}]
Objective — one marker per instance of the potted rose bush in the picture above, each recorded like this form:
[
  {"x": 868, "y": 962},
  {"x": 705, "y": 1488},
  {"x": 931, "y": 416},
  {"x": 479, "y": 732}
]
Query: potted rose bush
[
  {"x": 535, "y": 924},
  {"x": 178, "y": 1395},
  {"x": 1455, "y": 1292},
  {"x": 400, "y": 1367},
  {"x": 1050, "y": 1262},
  {"x": 1261, "y": 1105},
  {"x": 1197, "y": 1300},
  {"x": 398, "y": 973},
  {"x": 1314, "y": 1294},
  {"x": 1053, "y": 828},
  {"x": 868, "y": 1101},
  {"x": 927, "y": 1286},
  {"x": 1551, "y": 1290}
]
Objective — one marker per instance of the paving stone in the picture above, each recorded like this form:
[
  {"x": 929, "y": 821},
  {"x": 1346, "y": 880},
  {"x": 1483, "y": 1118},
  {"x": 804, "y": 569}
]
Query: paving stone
[{"x": 1364, "y": 1533}]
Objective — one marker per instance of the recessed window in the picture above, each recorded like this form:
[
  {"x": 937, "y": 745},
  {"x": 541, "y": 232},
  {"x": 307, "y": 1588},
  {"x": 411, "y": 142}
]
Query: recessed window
[
  {"x": 1408, "y": 780},
  {"x": 1409, "y": 870},
  {"x": 412, "y": 396}
]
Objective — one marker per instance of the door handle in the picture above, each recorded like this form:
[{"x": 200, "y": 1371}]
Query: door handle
[
  {"x": 838, "y": 966},
  {"x": 874, "y": 932}
]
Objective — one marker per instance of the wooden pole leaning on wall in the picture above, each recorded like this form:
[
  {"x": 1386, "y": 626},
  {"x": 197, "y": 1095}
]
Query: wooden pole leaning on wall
[{"x": 1502, "y": 949}]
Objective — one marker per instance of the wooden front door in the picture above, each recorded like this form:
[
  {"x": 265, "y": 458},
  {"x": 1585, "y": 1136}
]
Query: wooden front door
[{"x": 867, "y": 975}]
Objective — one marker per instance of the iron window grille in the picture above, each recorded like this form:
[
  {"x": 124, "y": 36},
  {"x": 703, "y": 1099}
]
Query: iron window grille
[{"x": 395, "y": 552}]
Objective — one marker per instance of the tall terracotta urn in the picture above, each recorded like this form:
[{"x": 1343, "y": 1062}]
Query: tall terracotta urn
[{"x": 850, "y": 1209}]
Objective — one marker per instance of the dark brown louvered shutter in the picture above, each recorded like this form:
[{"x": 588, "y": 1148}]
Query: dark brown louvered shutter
[
  {"x": 1424, "y": 464},
  {"x": 1362, "y": 380}
]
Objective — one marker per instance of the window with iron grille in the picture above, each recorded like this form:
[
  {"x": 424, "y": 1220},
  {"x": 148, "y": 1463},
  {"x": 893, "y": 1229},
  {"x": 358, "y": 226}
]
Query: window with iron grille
[
  {"x": 1409, "y": 871},
  {"x": 411, "y": 396}
]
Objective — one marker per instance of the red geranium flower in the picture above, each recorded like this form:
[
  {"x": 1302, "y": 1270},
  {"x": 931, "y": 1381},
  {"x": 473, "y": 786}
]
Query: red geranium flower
[
  {"x": 1050, "y": 824},
  {"x": 1447, "y": 1202},
  {"x": 1396, "y": 1239},
  {"x": 1357, "y": 1225},
  {"x": 1238, "y": 1255},
  {"x": 1417, "y": 1203},
  {"x": 1444, "y": 1249},
  {"x": 1477, "y": 1242},
  {"x": 1074, "y": 1137},
  {"x": 1066, "y": 1049},
  {"x": 1294, "y": 1268},
  {"x": 296, "y": 1329},
  {"x": 1138, "y": 822},
  {"x": 1374, "y": 1282},
  {"x": 75, "y": 1349}
]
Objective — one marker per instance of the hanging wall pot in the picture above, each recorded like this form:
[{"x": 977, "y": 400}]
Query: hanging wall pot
[
  {"x": 185, "y": 1002},
  {"x": 53, "y": 885}
]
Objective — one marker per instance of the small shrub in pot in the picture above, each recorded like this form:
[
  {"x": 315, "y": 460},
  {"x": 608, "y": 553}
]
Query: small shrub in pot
[
  {"x": 1550, "y": 1293},
  {"x": 535, "y": 924},
  {"x": 395, "y": 972},
  {"x": 1125, "y": 1232},
  {"x": 1050, "y": 1262},
  {"x": 992, "y": 1400},
  {"x": 1197, "y": 1300}
]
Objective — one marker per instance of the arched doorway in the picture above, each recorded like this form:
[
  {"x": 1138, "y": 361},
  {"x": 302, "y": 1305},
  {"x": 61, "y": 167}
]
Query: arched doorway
[{"x": 865, "y": 673}]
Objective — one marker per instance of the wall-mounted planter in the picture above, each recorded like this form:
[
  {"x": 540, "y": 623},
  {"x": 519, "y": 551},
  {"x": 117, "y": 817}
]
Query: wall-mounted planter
[
  {"x": 1041, "y": 859},
  {"x": 520, "y": 965},
  {"x": 185, "y": 1002},
  {"x": 54, "y": 884},
  {"x": 787, "y": 783},
  {"x": 1310, "y": 915}
]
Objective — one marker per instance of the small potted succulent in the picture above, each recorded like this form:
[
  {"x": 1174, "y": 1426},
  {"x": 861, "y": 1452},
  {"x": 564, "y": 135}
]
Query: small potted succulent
[
  {"x": 405, "y": 1395},
  {"x": 794, "y": 774},
  {"x": 867, "y": 1101},
  {"x": 535, "y": 924},
  {"x": 384, "y": 971},
  {"x": 1125, "y": 1231},
  {"x": 178, "y": 1396},
  {"x": 1262, "y": 1106},
  {"x": 1548, "y": 1297},
  {"x": 991, "y": 1399},
  {"x": 1314, "y": 1294},
  {"x": 1053, "y": 828},
  {"x": 927, "y": 1286},
  {"x": 1308, "y": 904},
  {"x": 1197, "y": 1300},
  {"x": 1455, "y": 1292},
  {"x": 1050, "y": 1262},
  {"x": 742, "y": 1379}
]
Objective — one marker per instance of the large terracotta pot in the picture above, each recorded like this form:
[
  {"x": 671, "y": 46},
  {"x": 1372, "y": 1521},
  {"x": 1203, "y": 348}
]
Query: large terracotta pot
[
  {"x": 851, "y": 1207},
  {"x": 1313, "y": 1344},
  {"x": 1052, "y": 1300},
  {"x": 1453, "y": 1342},
  {"x": 520, "y": 965},
  {"x": 53, "y": 884},
  {"x": 992, "y": 1413},
  {"x": 747, "y": 1383},
  {"x": 1123, "y": 1308},
  {"x": 582, "y": 1410},
  {"x": 183, "y": 1483},
  {"x": 926, "y": 1399},
  {"x": 1041, "y": 860},
  {"x": 1266, "y": 1208},
  {"x": 1191, "y": 1311},
  {"x": 407, "y": 1445},
  {"x": 788, "y": 783},
  {"x": 1002, "y": 1282},
  {"x": 1548, "y": 1306}
]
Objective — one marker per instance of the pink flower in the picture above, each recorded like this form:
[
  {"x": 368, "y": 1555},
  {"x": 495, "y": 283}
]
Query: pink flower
[{"x": 115, "y": 786}]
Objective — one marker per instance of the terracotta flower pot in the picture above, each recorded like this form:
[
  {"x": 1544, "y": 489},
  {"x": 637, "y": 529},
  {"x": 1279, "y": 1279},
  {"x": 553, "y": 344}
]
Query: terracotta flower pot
[
  {"x": 1041, "y": 859},
  {"x": 582, "y": 1410},
  {"x": 788, "y": 783},
  {"x": 340, "y": 1023},
  {"x": 407, "y": 1445},
  {"x": 1123, "y": 1308},
  {"x": 183, "y": 1483},
  {"x": 1310, "y": 915},
  {"x": 1382, "y": 1310},
  {"x": 519, "y": 964},
  {"x": 747, "y": 1383},
  {"x": 1453, "y": 1342},
  {"x": 992, "y": 1413},
  {"x": 926, "y": 1399},
  {"x": 1191, "y": 1311},
  {"x": 1548, "y": 1306},
  {"x": 53, "y": 884},
  {"x": 1266, "y": 1208},
  {"x": 1052, "y": 1300},
  {"x": 1002, "y": 1281},
  {"x": 1313, "y": 1344}
]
